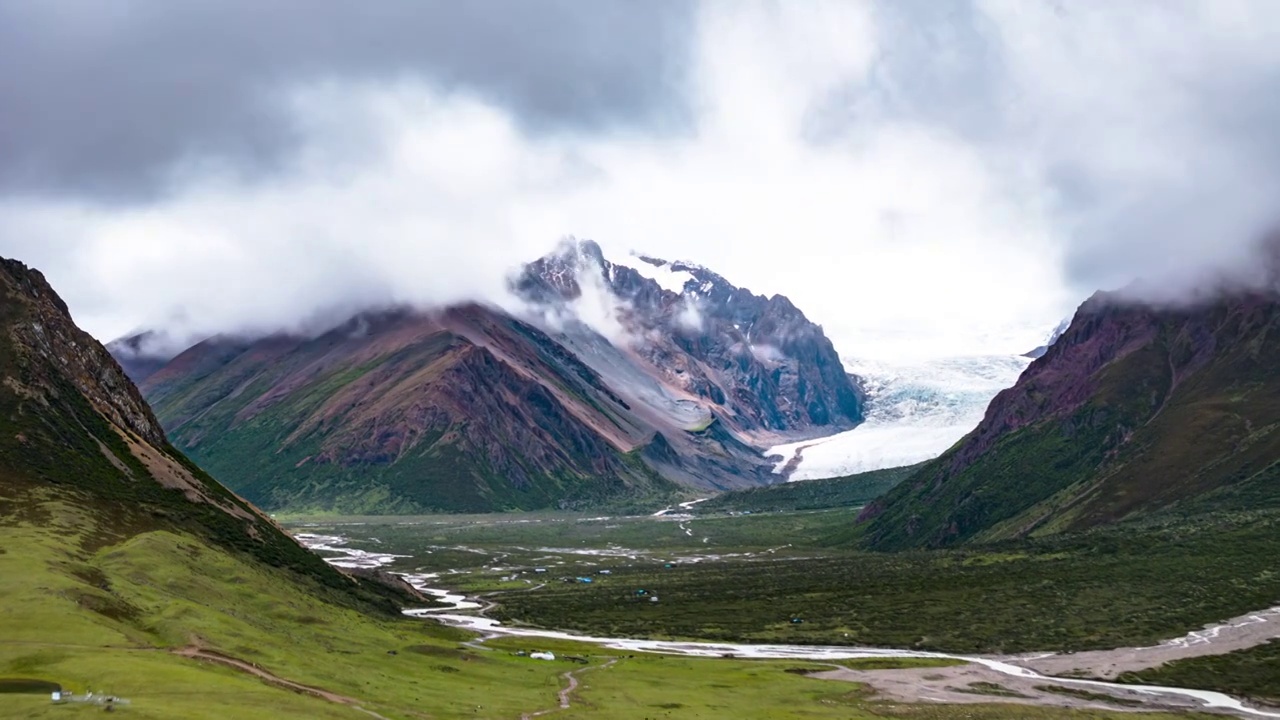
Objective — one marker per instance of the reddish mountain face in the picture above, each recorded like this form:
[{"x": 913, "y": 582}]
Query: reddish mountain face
[
  {"x": 402, "y": 411},
  {"x": 1135, "y": 409},
  {"x": 473, "y": 409}
]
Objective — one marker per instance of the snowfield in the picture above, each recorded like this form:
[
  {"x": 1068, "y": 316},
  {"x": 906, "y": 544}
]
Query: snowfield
[{"x": 915, "y": 412}]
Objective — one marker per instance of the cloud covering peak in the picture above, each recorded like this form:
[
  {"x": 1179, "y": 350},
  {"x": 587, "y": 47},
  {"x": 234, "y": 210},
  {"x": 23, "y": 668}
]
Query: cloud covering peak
[{"x": 921, "y": 178}]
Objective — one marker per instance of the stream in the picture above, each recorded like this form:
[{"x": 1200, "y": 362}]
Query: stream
[{"x": 457, "y": 604}]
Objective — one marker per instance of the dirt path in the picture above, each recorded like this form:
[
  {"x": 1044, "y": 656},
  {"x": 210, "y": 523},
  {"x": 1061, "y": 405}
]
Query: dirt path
[
  {"x": 974, "y": 684},
  {"x": 198, "y": 653},
  {"x": 1238, "y": 633},
  {"x": 572, "y": 677}
]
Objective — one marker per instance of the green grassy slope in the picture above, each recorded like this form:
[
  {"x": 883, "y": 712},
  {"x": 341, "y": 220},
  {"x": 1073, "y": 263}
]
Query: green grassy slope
[
  {"x": 850, "y": 491},
  {"x": 424, "y": 424},
  {"x": 106, "y": 619},
  {"x": 1252, "y": 673}
]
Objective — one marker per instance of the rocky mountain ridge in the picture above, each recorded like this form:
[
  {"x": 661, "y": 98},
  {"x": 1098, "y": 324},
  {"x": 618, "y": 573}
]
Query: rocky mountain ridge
[{"x": 760, "y": 359}]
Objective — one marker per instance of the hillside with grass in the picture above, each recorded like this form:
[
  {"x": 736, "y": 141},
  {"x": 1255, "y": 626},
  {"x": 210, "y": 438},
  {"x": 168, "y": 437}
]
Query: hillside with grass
[
  {"x": 126, "y": 570},
  {"x": 842, "y": 492},
  {"x": 1134, "y": 410}
]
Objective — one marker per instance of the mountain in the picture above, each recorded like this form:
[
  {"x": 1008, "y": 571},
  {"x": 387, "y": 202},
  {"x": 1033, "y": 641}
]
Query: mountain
[
  {"x": 756, "y": 362},
  {"x": 82, "y": 457},
  {"x": 125, "y": 570},
  {"x": 603, "y": 390},
  {"x": 1134, "y": 410},
  {"x": 142, "y": 354},
  {"x": 1040, "y": 350},
  {"x": 915, "y": 411}
]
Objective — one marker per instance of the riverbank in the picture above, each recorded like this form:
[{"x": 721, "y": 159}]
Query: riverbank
[{"x": 1018, "y": 670}]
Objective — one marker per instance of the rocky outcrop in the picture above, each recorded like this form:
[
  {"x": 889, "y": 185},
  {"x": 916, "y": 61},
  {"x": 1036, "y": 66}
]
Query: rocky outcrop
[
  {"x": 53, "y": 346},
  {"x": 759, "y": 361}
]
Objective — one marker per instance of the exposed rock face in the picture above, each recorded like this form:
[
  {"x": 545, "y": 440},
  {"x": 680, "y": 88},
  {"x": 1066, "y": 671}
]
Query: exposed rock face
[
  {"x": 759, "y": 360},
  {"x": 1133, "y": 410},
  {"x": 51, "y": 340},
  {"x": 614, "y": 387},
  {"x": 402, "y": 411}
]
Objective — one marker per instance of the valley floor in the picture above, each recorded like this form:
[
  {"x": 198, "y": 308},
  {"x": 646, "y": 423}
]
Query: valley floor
[
  {"x": 734, "y": 579},
  {"x": 181, "y": 629}
]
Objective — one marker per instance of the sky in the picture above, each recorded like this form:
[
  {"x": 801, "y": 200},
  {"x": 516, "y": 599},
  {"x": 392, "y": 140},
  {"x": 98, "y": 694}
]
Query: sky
[{"x": 924, "y": 178}]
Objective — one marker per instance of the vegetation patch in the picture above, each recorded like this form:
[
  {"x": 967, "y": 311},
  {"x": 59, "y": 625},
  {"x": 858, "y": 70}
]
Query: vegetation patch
[
  {"x": 905, "y": 663},
  {"x": 1252, "y": 673},
  {"x": 842, "y": 492},
  {"x": 1081, "y": 694},
  {"x": 989, "y": 688},
  {"x": 27, "y": 686}
]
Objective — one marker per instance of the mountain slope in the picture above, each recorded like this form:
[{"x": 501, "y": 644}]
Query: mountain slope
[
  {"x": 404, "y": 412},
  {"x": 115, "y": 550},
  {"x": 75, "y": 430},
  {"x": 471, "y": 408},
  {"x": 1133, "y": 410},
  {"x": 762, "y": 365},
  {"x": 141, "y": 355}
]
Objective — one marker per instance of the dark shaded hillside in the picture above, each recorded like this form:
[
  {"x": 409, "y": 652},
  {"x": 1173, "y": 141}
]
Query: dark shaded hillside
[
  {"x": 74, "y": 431},
  {"x": 851, "y": 491},
  {"x": 1133, "y": 410}
]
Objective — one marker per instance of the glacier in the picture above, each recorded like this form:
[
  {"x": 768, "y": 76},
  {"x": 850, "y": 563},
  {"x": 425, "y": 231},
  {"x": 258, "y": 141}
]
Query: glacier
[{"x": 916, "y": 410}]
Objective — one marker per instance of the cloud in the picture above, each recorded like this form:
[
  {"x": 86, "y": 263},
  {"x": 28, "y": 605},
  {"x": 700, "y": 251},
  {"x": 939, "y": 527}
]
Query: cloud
[
  {"x": 1149, "y": 122},
  {"x": 688, "y": 315},
  {"x": 121, "y": 99},
  {"x": 920, "y": 178}
]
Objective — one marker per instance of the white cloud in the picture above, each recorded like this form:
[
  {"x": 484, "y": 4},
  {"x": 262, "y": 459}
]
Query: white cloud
[{"x": 810, "y": 171}]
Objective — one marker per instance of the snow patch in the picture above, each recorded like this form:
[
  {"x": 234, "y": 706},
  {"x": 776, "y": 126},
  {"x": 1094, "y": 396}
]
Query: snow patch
[
  {"x": 917, "y": 411},
  {"x": 660, "y": 272}
]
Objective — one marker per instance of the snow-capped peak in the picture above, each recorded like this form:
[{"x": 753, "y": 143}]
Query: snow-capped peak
[{"x": 661, "y": 272}]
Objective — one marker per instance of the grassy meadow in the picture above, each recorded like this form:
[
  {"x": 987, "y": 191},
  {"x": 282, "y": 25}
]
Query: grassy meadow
[{"x": 87, "y": 613}]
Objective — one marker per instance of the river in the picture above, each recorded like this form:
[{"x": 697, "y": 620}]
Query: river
[{"x": 457, "y": 604}]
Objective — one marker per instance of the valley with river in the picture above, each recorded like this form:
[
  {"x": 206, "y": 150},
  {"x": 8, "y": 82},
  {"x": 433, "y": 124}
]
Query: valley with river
[{"x": 727, "y": 586}]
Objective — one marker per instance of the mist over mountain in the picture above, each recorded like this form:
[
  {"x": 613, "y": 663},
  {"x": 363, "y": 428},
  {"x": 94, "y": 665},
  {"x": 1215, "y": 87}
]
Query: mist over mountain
[
  {"x": 1136, "y": 409},
  {"x": 605, "y": 384}
]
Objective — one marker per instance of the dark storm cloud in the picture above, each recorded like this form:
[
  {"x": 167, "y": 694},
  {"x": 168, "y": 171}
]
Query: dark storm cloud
[{"x": 107, "y": 98}]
